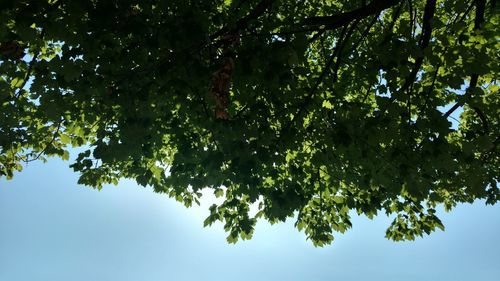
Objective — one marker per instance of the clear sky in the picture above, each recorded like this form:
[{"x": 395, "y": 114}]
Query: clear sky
[{"x": 53, "y": 229}]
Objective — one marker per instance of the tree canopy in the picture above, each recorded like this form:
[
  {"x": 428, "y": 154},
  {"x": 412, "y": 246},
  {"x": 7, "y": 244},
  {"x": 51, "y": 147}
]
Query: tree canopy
[{"x": 309, "y": 109}]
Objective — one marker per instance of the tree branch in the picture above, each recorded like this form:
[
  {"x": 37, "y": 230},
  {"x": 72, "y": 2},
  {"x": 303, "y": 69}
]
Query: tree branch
[
  {"x": 429, "y": 10},
  {"x": 342, "y": 46},
  {"x": 54, "y": 136},
  {"x": 472, "y": 84},
  {"x": 30, "y": 68},
  {"x": 335, "y": 21},
  {"x": 478, "y": 20},
  {"x": 26, "y": 76},
  {"x": 483, "y": 118},
  {"x": 336, "y": 54},
  {"x": 243, "y": 22}
]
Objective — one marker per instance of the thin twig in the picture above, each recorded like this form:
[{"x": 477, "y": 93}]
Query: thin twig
[{"x": 48, "y": 144}]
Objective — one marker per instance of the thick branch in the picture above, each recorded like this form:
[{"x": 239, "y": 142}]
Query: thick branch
[
  {"x": 335, "y": 21},
  {"x": 479, "y": 19}
]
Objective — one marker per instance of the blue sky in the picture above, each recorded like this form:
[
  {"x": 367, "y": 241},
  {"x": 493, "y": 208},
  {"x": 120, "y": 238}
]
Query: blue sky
[{"x": 53, "y": 229}]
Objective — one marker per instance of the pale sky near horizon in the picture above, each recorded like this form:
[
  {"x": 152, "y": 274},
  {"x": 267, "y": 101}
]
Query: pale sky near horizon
[{"x": 52, "y": 229}]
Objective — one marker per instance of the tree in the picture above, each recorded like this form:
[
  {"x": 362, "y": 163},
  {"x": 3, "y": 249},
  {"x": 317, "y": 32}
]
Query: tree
[{"x": 310, "y": 109}]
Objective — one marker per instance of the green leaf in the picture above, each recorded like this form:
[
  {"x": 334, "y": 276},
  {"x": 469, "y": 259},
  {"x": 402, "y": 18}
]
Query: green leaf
[{"x": 327, "y": 104}]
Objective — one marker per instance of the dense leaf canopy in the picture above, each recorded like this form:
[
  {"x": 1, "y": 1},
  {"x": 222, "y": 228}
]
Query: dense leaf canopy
[{"x": 309, "y": 109}]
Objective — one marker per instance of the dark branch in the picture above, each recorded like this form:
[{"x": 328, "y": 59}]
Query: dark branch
[
  {"x": 472, "y": 84},
  {"x": 30, "y": 68},
  {"x": 54, "y": 137},
  {"x": 324, "y": 72},
  {"x": 27, "y": 75},
  {"x": 243, "y": 22},
  {"x": 478, "y": 20},
  {"x": 483, "y": 118},
  {"x": 335, "y": 21},
  {"x": 339, "y": 52},
  {"x": 430, "y": 8}
]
